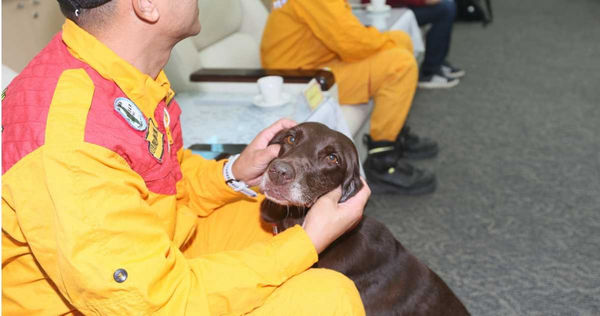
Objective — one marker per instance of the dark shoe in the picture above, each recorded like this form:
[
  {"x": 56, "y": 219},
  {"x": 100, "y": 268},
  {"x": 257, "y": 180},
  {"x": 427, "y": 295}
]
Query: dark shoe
[
  {"x": 400, "y": 178},
  {"x": 415, "y": 147},
  {"x": 407, "y": 145}
]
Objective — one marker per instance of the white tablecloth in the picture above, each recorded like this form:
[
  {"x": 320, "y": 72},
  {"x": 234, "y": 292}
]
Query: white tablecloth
[
  {"x": 230, "y": 118},
  {"x": 395, "y": 19}
]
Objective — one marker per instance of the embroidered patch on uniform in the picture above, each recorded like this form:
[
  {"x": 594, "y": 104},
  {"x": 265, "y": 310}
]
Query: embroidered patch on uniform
[
  {"x": 167, "y": 122},
  {"x": 166, "y": 118},
  {"x": 155, "y": 140},
  {"x": 131, "y": 113}
]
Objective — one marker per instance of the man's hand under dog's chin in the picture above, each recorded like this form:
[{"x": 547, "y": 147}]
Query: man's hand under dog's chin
[{"x": 328, "y": 219}]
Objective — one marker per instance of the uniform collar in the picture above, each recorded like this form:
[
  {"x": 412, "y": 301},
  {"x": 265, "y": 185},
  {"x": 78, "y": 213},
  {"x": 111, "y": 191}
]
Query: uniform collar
[{"x": 144, "y": 91}]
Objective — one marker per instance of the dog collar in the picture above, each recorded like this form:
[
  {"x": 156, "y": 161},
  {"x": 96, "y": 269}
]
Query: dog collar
[{"x": 232, "y": 182}]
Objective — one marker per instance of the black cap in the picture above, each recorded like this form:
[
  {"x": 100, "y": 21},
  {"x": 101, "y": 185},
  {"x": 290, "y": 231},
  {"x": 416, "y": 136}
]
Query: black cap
[{"x": 76, "y": 5}]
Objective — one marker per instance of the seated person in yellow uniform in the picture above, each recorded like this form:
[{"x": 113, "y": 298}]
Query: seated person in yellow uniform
[
  {"x": 366, "y": 64},
  {"x": 104, "y": 212}
]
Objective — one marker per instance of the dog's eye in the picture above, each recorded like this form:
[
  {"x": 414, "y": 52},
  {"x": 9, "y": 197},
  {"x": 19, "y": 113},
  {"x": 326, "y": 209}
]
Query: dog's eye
[
  {"x": 333, "y": 158},
  {"x": 290, "y": 140}
]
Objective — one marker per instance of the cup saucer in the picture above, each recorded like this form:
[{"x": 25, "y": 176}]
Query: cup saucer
[
  {"x": 373, "y": 9},
  {"x": 260, "y": 101}
]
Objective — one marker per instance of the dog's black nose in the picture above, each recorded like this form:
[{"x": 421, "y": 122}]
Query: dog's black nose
[{"x": 281, "y": 172}]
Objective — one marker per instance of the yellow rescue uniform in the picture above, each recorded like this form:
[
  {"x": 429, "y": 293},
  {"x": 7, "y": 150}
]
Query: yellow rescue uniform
[
  {"x": 104, "y": 212},
  {"x": 313, "y": 34}
]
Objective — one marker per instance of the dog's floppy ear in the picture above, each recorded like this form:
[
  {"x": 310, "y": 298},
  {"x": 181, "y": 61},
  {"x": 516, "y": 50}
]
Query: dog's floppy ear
[
  {"x": 352, "y": 183},
  {"x": 278, "y": 138}
]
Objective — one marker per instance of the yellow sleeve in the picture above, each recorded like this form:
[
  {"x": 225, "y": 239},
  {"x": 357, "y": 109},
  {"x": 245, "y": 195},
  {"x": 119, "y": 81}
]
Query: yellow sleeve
[
  {"x": 203, "y": 186},
  {"x": 334, "y": 24},
  {"x": 99, "y": 222}
]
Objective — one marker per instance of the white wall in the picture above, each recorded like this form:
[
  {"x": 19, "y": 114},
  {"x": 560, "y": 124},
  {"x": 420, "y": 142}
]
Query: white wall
[{"x": 27, "y": 26}]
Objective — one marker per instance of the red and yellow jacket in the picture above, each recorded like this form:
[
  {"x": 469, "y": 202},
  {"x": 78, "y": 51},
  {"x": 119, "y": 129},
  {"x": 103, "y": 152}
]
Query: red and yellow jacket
[{"x": 95, "y": 183}]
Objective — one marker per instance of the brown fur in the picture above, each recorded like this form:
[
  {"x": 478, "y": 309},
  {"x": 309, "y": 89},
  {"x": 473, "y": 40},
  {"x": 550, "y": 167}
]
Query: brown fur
[{"x": 390, "y": 280}]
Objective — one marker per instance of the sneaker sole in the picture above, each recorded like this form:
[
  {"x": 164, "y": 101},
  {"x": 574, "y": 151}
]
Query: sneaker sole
[
  {"x": 431, "y": 85},
  {"x": 384, "y": 188}
]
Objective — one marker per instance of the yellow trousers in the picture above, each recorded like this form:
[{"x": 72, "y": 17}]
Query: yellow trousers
[
  {"x": 389, "y": 76},
  {"x": 313, "y": 292}
]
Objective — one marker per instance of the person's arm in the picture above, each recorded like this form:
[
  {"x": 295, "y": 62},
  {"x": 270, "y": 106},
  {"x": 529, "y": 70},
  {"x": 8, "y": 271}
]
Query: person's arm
[
  {"x": 100, "y": 221},
  {"x": 334, "y": 24},
  {"x": 203, "y": 188}
]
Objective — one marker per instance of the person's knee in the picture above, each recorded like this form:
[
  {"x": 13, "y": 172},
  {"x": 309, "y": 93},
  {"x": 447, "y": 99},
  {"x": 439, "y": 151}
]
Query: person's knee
[
  {"x": 331, "y": 292},
  {"x": 401, "y": 63},
  {"x": 402, "y": 39},
  {"x": 449, "y": 9}
]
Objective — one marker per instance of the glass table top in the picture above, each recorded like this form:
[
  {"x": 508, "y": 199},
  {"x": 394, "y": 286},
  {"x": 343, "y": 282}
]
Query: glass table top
[{"x": 231, "y": 118}]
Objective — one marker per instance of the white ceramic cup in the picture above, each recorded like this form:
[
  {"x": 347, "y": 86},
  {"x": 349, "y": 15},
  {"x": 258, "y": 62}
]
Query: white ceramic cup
[
  {"x": 270, "y": 87},
  {"x": 377, "y": 4}
]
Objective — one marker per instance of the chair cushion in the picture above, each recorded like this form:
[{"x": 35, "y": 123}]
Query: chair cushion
[
  {"x": 238, "y": 50},
  {"x": 356, "y": 115},
  {"x": 7, "y": 76}
]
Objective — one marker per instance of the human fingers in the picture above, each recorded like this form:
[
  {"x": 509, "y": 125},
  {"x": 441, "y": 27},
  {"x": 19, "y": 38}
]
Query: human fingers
[
  {"x": 258, "y": 162},
  {"x": 333, "y": 195},
  {"x": 322, "y": 224},
  {"x": 256, "y": 156},
  {"x": 265, "y": 136}
]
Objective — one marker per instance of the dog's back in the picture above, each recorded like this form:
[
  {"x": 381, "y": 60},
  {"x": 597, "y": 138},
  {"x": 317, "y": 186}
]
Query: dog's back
[{"x": 391, "y": 281}]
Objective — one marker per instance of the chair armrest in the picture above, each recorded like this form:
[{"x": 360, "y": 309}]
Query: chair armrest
[{"x": 325, "y": 78}]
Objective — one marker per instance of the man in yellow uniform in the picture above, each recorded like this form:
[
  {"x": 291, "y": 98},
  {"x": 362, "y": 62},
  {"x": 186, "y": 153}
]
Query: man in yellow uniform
[
  {"x": 104, "y": 212},
  {"x": 366, "y": 64}
]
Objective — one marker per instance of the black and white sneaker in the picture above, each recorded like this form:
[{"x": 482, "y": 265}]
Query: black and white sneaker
[
  {"x": 436, "y": 81},
  {"x": 452, "y": 72}
]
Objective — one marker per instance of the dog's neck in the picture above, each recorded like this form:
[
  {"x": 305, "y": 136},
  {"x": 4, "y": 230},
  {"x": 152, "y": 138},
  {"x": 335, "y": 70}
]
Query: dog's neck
[
  {"x": 289, "y": 215},
  {"x": 280, "y": 226}
]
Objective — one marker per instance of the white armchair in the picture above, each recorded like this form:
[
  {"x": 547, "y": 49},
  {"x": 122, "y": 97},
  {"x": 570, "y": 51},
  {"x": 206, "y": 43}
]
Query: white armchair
[{"x": 230, "y": 38}]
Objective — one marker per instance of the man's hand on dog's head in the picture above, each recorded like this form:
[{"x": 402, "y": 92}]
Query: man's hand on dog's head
[
  {"x": 328, "y": 219},
  {"x": 255, "y": 158}
]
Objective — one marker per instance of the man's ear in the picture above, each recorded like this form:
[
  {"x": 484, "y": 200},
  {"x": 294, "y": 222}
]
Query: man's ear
[{"x": 146, "y": 10}]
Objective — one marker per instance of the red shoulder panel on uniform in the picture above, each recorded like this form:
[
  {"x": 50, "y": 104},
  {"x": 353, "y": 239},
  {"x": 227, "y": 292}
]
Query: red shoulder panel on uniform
[
  {"x": 27, "y": 100},
  {"x": 25, "y": 112},
  {"x": 108, "y": 128}
]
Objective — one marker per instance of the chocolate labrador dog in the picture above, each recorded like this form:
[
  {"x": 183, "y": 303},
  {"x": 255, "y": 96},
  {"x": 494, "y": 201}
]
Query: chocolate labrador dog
[{"x": 314, "y": 160}]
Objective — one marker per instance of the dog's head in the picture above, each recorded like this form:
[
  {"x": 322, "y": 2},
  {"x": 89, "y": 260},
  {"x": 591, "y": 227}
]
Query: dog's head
[{"x": 312, "y": 161}]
